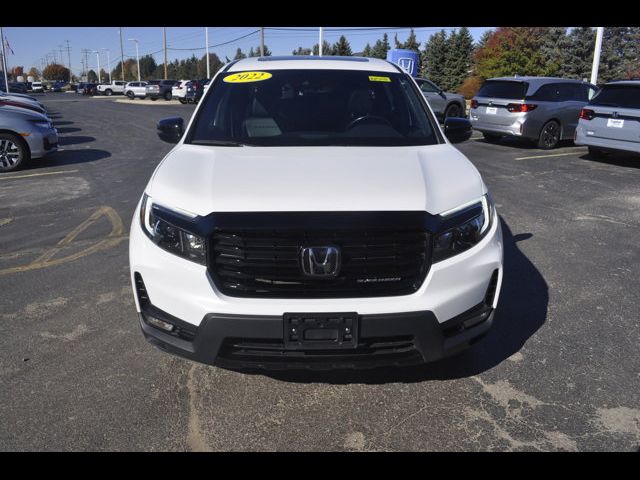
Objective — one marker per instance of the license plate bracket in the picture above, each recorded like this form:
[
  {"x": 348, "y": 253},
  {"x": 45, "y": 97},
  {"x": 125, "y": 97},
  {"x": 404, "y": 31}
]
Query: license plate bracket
[{"x": 320, "y": 331}]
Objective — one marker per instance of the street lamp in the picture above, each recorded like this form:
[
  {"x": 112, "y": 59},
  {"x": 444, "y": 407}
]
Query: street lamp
[
  {"x": 98, "y": 57},
  {"x": 137, "y": 55},
  {"x": 108, "y": 63}
]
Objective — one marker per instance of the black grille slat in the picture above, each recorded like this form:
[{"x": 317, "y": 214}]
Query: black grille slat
[{"x": 376, "y": 261}]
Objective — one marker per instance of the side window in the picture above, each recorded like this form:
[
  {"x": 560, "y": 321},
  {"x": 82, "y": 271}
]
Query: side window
[
  {"x": 570, "y": 92},
  {"x": 428, "y": 87},
  {"x": 546, "y": 93}
]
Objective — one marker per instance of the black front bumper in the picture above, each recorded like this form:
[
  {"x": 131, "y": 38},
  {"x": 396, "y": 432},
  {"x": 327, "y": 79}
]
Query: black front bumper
[{"x": 239, "y": 341}]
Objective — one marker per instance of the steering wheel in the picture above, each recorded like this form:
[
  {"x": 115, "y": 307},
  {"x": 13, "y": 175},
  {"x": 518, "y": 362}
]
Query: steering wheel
[{"x": 377, "y": 118}]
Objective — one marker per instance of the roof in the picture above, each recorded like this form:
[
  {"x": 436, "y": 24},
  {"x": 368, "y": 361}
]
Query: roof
[
  {"x": 537, "y": 79},
  {"x": 304, "y": 62},
  {"x": 635, "y": 83}
]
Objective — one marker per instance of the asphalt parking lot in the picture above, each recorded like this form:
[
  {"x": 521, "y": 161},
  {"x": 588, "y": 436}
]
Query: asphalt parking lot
[{"x": 559, "y": 371}]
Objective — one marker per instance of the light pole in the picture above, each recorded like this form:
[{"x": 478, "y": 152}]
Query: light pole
[
  {"x": 206, "y": 41},
  {"x": 108, "y": 63},
  {"x": 97, "y": 52},
  {"x": 320, "y": 43},
  {"x": 596, "y": 55},
  {"x": 137, "y": 55},
  {"x": 4, "y": 63}
]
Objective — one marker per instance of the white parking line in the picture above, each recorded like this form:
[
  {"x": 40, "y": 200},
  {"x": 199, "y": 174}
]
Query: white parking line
[
  {"x": 552, "y": 155},
  {"x": 36, "y": 174}
]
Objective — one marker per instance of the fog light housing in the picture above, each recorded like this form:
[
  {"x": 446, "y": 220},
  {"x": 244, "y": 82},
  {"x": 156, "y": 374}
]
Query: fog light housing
[{"x": 156, "y": 322}]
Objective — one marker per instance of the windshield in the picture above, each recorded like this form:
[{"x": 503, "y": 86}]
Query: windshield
[
  {"x": 503, "y": 89},
  {"x": 625, "y": 96},
  {"x": 312, "y": 108}
]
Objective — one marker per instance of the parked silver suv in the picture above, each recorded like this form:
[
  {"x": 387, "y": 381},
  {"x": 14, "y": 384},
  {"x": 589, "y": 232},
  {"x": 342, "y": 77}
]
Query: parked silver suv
[
  {"x": 611, "y": 120},
  {"x": 542, "y": 109},
  {"x": 444, "y": 104}
]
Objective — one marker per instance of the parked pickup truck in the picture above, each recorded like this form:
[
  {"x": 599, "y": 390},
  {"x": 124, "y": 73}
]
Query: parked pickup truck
[{"x": 108, "y": 89}]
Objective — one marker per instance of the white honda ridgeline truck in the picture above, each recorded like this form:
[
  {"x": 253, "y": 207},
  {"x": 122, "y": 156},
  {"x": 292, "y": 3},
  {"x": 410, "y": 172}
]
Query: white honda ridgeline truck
[{"x": 313, "y": 215}]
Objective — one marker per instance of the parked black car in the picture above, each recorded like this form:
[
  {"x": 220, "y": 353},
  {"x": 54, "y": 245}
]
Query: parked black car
[
  {"x": 89, "y": 89},
  {"x": 156, "y": 89},
  {"x": 195, "y": 90},
  {"x": 18, "y": 87}
]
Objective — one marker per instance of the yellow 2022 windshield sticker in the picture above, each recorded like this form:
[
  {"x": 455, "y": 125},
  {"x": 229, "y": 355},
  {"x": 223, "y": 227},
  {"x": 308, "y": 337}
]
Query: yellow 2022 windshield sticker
[
  {"x": 245, "y": 77},
  {"x": 373, "y": 78}
]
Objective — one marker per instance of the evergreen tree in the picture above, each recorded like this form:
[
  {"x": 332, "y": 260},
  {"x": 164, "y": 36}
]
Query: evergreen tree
[
  {"x": 381, "y": 47},
  {"x": 410, "y": 44},
  {"x": 367, "y": 51},
  {"x": 342, "y": 47},
  {"x": 252, "y": 53},
  {"x": 612, "y": 57},
  {"x": 434, "y": 57},
  {"x": 239, "y": 54},
  {"x": 327, "y": 49},
  {"x": 147, "y": 67},
  {"x": 632, "y": 54},
  {"x": 555, "y": 51},
  {"x": 302, "y": 51},
  {"x": 215, "y": 64},
  {"x": 457, "y": 61},
  {"x": 579, "y": 53}
]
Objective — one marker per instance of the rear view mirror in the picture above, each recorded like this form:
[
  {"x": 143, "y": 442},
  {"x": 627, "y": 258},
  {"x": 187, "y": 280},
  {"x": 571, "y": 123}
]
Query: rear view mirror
[
  {"x": 171, "y": 129},
  {"x": 457, "y": 129}
]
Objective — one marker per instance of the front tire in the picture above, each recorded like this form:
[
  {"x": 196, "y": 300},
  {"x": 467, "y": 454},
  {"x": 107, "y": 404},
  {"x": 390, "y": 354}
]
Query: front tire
[
  {"x": 14, "y": 153},
  {"x": 549, "y": 135},
  {"x": 167, "y": 96},
  {"x": 108, "y": 92},
  {"x": 131, "y": 96},
  {"x": 453, "y": 111},
  {"x": 182, "y": 101}
]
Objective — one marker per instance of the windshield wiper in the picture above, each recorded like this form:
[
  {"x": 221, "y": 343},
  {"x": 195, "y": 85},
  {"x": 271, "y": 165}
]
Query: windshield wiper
[{"x": 221, "y": 143}]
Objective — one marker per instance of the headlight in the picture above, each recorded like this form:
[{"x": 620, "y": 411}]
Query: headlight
[
  {"x": 463, "y": 228},
  {"x": 167, "y": 235},
  {"x": 42, "y": 123}
]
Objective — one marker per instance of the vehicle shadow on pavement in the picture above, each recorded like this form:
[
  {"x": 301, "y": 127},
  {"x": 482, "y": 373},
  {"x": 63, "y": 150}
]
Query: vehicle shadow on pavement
[
  {"x": 521, "y": 311},
  {"x": 68, "y": 157},
  {"x": 615, "y": 159},
  {"x": 75, "y": 139},
  {"x": 524, "y": 144},
  {"x": 68, "y": 129}
]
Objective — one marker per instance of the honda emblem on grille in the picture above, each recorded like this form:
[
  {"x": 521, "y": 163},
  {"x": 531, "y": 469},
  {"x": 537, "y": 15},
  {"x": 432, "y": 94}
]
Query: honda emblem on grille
[{"x": 320, "y": 261}]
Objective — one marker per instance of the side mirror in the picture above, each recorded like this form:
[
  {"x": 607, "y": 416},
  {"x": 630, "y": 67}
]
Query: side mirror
[
  {"x": 457, "y": 129},
  {"x": 442, "y": 94},
  {"x": 171, "y": 129}
]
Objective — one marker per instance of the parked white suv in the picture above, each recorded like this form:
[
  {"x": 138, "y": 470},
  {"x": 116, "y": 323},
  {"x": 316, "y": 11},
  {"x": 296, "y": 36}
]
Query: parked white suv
[
  {"x": 179, "y": 90},
  {"x": 135, "y": 90},
  {"x": 313, "y": 214}
]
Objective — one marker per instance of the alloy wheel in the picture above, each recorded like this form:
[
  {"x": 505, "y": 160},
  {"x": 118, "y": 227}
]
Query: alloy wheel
[
  {"x": 550, "y": 135},
  {"x": 9, "y": 154}
]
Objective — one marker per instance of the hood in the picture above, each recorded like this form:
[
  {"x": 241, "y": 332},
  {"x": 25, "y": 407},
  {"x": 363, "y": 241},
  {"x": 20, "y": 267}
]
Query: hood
[
  {"x": 26, "y": 113},
  {"x": 205, "y": 179}
]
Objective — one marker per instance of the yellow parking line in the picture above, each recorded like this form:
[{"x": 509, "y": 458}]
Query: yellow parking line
[
  {"x": 113, "y": 238},
  {"x": 37, "y": 174},
  {"x": 552, "y": 155}
]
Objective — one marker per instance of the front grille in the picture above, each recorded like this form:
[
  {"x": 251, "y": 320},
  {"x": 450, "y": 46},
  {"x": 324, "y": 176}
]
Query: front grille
[
  {"x": 399, "y": 350},
  {"x": 266, "y": 263}
]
